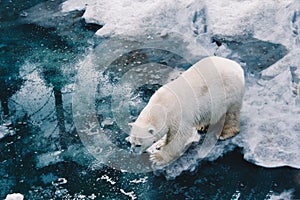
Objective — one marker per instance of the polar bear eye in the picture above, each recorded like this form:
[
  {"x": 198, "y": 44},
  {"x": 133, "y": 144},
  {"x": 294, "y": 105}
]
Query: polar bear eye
[{"x": 138, "y": 145}]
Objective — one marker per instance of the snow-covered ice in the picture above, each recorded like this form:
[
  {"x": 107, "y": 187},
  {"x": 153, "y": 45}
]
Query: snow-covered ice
[
  {"x": 270, "y": 116},
  {"x": 286, "y": 195},
  {"x": 3, "y": 131},
  {"x": 124, "y": 17},
  {"x": 270, "y": 123},
  {"x": 130, "y": 194},
  {"x": 272, "y": 21},
  {"x": 14, "y": 196}
]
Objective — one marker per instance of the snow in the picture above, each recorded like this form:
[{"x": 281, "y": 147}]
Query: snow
[
  {"x": 270, "y": 115},
  {"x": 14, "y": 196},
  {"x": 287, "y": 61},
  {"x": 236, "y": 195},
  {"x": 130, "y": 194},
  {"x": 266, "y": 20},
  {"x": 125, "y": 17},
  {"x": 59, "y": 181},
  {"x": 108, "y": 179},
  {"x": 140, "y": 180},
  {"x": 3, "y": 131},
  {"x": 286, "y": 195},
  {"x": 270, "y": 124},
  {"x": 5, "y": 125},
  {"x": 262, "y": 19}
]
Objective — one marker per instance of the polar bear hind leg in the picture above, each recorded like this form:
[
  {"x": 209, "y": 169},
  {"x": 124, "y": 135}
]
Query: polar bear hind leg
[{"x": 232, "y": 123}]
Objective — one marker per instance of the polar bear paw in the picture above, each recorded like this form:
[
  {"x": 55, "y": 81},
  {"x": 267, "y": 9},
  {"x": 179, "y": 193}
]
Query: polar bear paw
[
  {"x": 157, "y": 159},
  {"x": 228, "y": 132}
]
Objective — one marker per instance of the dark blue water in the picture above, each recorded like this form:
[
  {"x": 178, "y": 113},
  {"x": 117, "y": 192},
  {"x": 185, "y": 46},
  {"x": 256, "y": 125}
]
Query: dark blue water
[{"x": 28, "y": 49}]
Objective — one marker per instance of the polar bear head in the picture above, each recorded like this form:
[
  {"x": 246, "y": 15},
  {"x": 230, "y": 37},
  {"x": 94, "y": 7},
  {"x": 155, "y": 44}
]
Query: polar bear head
[
  {"x": 149, "y": 127},
  {"x": 141, "y": 137}
]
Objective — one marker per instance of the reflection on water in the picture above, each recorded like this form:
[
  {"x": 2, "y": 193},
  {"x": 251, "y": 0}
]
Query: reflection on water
[
  {"x": 37, "y": 68},
  {"x": 42, "y": 157}
]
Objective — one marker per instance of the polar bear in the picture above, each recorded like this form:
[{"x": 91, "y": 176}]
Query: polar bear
[{"x": 210, "y": 90}]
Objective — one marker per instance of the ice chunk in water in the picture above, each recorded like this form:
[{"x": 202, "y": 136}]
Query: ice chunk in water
[{"x": 14, "y": 196}]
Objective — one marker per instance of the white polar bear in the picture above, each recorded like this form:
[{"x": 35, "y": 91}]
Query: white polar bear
[{"x": 210, "y": 90}]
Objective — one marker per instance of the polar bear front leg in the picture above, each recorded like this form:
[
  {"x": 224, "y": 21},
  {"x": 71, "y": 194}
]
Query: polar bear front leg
[
  {"x": 175, "y": 146},
  {"x": 167, "y": 153}
]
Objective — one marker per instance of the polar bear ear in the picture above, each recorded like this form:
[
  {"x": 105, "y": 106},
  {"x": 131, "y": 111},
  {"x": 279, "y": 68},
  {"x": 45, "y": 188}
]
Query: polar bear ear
[
  {"x": 151, "y": 131},
  {"x": 130, "y": 125}
]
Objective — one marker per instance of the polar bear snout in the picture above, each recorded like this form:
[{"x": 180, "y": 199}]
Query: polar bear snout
[
  {"x": 139, "y": 145},
  {"x": 134, "y": 148}
]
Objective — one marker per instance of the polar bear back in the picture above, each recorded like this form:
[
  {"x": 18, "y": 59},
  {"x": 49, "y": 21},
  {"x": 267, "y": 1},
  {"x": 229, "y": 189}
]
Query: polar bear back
[{"x": 204, "y": 92}]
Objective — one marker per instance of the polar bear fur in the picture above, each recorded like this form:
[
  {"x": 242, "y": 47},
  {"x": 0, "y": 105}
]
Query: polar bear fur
[{"x": 210, "y": 90}]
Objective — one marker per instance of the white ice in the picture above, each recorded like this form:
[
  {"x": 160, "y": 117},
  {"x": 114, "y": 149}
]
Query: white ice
[
  {"x": 286, "y": 195},
  {"x": 3, "y": 131},
  {"x": 270, "y": 123},
  {"x": 14, "y": 196},
  {"x": 130, "y": 194},
  {"x": 270, "y": 115}
]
